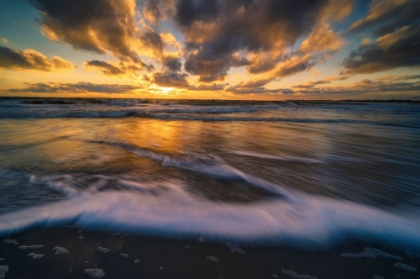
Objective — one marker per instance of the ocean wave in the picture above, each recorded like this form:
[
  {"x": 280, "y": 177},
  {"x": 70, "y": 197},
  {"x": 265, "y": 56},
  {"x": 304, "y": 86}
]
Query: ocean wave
[
  {"x": 275, "y": 157},
  {"x": 204, "y": 164},
  {"x": 307, "y": 222}
]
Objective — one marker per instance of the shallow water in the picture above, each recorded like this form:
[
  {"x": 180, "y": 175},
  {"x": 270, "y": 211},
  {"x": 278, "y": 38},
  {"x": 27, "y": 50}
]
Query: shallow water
[{"x": 305, "y": 173}]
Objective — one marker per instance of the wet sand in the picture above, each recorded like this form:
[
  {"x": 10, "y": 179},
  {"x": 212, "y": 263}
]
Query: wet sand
[{"x": 139, "y": 257}]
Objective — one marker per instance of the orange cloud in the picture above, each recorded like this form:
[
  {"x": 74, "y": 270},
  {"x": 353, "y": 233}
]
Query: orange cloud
[{"x": 30, "y": 59}]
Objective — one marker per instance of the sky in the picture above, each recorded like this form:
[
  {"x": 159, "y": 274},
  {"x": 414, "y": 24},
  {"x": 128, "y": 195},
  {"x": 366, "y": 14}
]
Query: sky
[{"x": 211, "y": 49}]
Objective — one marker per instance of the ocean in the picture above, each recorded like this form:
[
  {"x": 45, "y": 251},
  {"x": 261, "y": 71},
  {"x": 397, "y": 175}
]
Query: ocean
[{"x": 299, "y": 174}]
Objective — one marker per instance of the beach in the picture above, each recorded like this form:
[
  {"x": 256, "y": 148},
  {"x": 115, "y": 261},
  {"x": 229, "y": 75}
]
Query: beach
[
  {"x": 121, "y": 188},
  {"x": 138, "y": 257}
]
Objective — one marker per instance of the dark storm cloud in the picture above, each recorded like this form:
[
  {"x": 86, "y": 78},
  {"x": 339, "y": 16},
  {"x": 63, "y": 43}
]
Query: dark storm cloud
[
  {"x": 152, "y": 40},
  {"x": 206, "y": 87},
  {"x": 216, "y": 31},
  {"x": 256, "y": 87},
  {"x": 179, "y": 80},
  {"x": 106, "y": 68},
  {"x": 398, "y": 49},
  {"x": 171, "y": 79},
  {"x": 172, "y": 63},
  {"x": 118, "y": 68},
  {"x": 93, "y": 25},
  {"x": 31, "y": 60},
  {"x": 81, "y": 87}
]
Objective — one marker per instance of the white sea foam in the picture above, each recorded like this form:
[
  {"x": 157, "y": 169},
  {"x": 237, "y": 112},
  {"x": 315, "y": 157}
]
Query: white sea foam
[
  {"x": 35, "y": 256},
  {"x": 302, "y": 220},
  {"x": 10, "y": 241},
  {"x": 60, "y": 251}
]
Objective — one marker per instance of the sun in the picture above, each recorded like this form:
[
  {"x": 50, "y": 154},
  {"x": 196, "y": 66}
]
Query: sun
[{"x": 166, "y": 90}]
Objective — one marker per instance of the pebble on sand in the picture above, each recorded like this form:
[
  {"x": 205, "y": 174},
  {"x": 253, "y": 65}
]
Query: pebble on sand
[
  {"x": 30, "y": 247},
  {"x": 95, "y": 272},
  {"x": 295, "y": 275},
  {"x": 10, "y": 241},
  {"x": 124, "y": 255},
  {"x": 3, "y": 270},
  {"x": 103, "y": 249},
  {"x": 60, "y": 251},
  {"x": 35, "y": 256},
  {"x": 213, "y": 259}
]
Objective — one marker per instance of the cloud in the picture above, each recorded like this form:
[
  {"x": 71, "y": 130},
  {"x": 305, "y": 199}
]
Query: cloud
[
  {"x": 259, "y": 32},
  {"x": 173, "y": 63},
  {"x": 4, "y": 40},
  {"x": 256, "y": 87},
  {"x": 110, "y": 26},
  {"x": 254, "y": 83},
  {"x": 30, "y": 59},
  {"x": 404, "y": 86},
  {"x": 259, "y": 90},
  {"x": 218, "y": 35},
  {"x": 322, "y": 39},
  {"x": 92, "y": 25},
  {"x": 179, "y": 80},
  {"x": 397, "y": 49},
  {"x": 81, "y": 87},
  {"x": 406, "y": 77},
  {"x": 206, "y": 87},
  {"x": 118, "y": 68},
  {"x": 311, "y": 84},
  {"x": 390, "y": 14},
  {"x": 170, "y": 79},
  {"x": 366, "y": 88},
  {"x": 292, "y": 65}
]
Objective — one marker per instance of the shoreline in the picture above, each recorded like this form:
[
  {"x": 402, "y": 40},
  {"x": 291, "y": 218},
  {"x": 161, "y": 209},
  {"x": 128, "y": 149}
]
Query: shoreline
[{"x": 133, "y": 256}]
